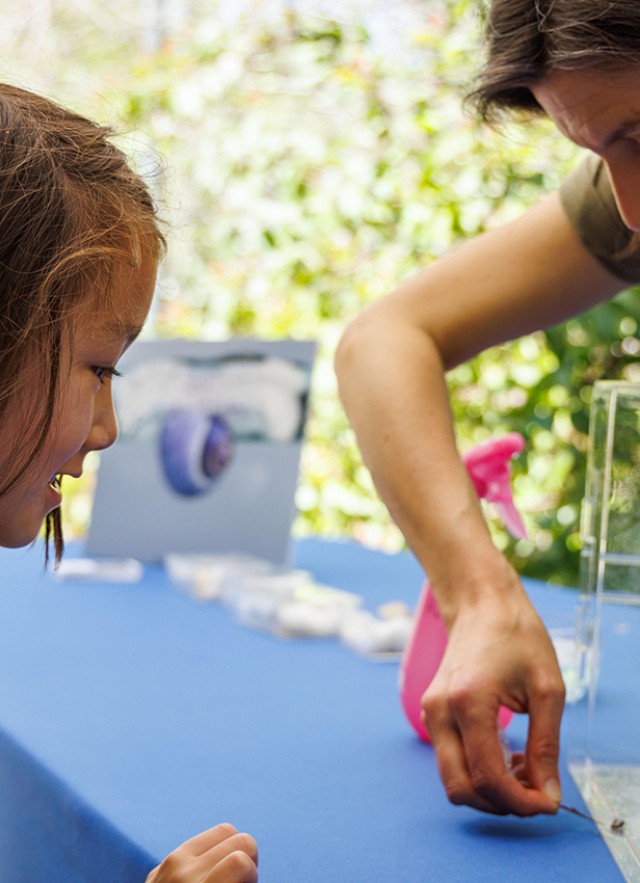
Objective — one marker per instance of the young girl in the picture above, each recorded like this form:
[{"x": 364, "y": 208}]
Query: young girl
[{"x": 79, "y": 248}]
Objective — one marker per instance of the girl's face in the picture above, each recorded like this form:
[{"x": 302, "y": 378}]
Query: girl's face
[{"x": 84, "y": 420}]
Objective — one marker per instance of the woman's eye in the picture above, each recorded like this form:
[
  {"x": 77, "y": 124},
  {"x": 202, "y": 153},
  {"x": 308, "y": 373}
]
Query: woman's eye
[{"x": 105, "y": 373}]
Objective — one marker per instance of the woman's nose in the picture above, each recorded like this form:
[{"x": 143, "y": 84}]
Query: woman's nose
[{"x": 625, "y": 180}]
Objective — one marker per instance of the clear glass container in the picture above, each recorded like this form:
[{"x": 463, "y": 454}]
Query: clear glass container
[{"x": 604, "y": 752}]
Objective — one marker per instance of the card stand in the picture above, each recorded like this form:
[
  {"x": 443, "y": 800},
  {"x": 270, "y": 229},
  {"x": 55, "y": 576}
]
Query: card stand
[{"x": 604, "y": 758}]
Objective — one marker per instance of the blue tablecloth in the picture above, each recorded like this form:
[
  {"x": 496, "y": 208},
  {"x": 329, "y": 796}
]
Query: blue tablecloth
[{"x": 132, "y": 717}]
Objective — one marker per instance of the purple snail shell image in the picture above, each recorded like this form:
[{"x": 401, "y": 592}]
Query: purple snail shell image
[{"x": 195, "y": 448}]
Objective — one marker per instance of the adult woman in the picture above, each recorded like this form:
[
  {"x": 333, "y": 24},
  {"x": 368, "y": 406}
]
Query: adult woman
[{"x": 579, "y": 62}]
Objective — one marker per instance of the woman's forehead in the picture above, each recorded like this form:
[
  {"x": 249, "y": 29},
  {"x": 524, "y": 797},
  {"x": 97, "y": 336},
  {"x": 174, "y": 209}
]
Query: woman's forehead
[{"x": 592, "y": 108}]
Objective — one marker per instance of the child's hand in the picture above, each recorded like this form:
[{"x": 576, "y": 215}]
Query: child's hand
[{"x": 219, "y": 855}]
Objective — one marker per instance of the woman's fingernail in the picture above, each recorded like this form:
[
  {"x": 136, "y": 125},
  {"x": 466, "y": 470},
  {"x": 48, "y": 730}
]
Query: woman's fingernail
[{"x": 552, "y": 790}]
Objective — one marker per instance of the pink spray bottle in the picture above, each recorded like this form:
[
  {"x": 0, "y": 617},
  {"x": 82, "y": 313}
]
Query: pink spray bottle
[{"x": 488, "y": 468}]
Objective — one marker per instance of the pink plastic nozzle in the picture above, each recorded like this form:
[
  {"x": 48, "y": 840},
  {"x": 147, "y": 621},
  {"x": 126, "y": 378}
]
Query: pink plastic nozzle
[{"x": 488, "y": 468}]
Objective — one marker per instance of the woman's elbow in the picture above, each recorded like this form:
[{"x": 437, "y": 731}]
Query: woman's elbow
[{"x": 358, "y": 337}]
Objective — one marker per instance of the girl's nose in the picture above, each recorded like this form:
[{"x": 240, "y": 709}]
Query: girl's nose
[{"x": 104, "y": 429}]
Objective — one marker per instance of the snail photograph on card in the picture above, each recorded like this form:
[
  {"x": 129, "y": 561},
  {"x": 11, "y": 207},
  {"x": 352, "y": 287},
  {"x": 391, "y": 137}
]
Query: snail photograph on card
[{"x": 210, "y": 441}]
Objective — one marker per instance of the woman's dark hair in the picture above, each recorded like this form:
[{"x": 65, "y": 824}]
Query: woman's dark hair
[
  {"x": 71, "y": 209},
  {"x": 526, "y": 39}
]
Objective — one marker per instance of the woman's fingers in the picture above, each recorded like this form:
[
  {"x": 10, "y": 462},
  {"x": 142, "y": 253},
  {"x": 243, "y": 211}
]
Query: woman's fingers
[
  {"x": 491, "y": 777},
  {"x": 470, "y": 754},
  {"x": 543, "y": 741},
  {"x": 452, "y": 761}
]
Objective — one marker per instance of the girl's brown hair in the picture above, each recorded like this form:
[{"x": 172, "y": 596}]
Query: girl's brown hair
[
  {"x": 71, "y": 208},
  {"x": 526, "y": 39}
]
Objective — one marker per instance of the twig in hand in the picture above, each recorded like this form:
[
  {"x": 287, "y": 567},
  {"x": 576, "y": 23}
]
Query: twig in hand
[{"x": 617, "y": 825}]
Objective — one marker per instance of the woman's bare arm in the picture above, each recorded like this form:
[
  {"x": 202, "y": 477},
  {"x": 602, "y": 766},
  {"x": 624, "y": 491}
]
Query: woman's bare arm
[{"x": 391, "y": 366}]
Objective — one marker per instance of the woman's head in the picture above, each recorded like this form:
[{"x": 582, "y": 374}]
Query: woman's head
[
  {"x": 529, "y": 39},
  {"x": 79, "y": 242}
]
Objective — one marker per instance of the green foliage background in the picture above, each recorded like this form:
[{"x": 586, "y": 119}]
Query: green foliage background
[{"x": 303, "y": 169}]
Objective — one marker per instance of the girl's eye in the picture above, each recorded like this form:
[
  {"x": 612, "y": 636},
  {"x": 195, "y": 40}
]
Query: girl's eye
[{"x": 105, "y": 373}]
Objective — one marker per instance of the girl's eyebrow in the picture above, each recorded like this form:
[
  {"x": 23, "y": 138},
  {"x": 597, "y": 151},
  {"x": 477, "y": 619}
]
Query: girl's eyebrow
[{"x": 127, "y": 331}]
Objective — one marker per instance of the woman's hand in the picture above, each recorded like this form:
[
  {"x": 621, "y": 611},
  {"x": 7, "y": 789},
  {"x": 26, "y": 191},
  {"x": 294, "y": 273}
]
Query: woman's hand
[
  {"x": 498, "y": 653},
  {"x": 219, "y": 855}
]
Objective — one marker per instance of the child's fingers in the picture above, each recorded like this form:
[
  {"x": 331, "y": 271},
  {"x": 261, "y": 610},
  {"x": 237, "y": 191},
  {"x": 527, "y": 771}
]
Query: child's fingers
[
  {"x": 204, "y": 841},
  {"x": 236, "y": 843},
  {"x": 237, "y": 867},
  {"x": 208, "y": 839},
  {"x": 196, "y": 859},
  {"x": 233, "y": 860}
]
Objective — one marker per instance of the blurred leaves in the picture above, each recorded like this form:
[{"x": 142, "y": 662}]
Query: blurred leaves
[{"x": 304, "y": 171}]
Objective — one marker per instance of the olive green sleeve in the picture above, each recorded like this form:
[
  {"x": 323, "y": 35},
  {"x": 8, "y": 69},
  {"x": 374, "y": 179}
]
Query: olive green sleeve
[{"x": 588, "y": 200}]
